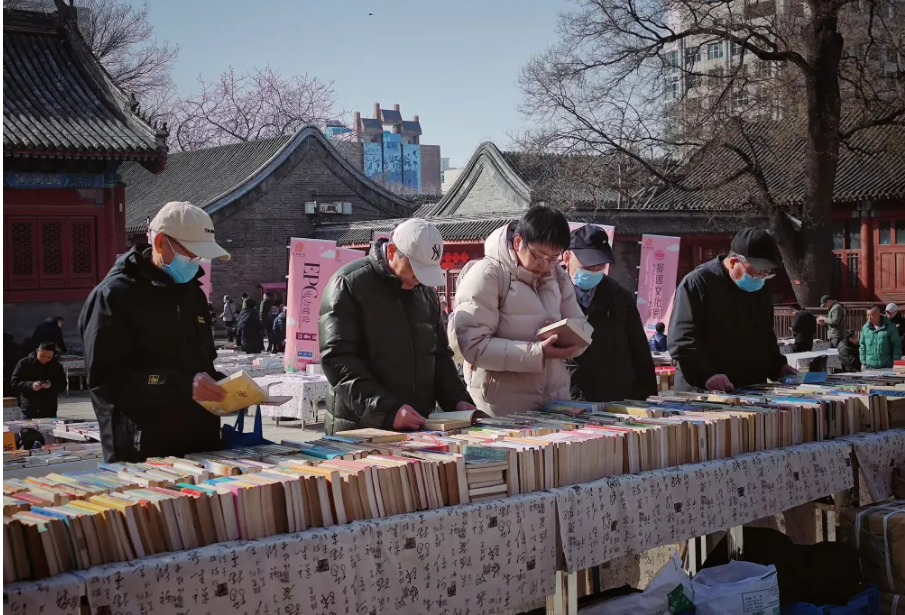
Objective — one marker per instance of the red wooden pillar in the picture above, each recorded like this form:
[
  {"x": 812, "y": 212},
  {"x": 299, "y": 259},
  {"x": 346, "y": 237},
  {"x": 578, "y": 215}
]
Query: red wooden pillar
[{"x": 866, "y": 265}]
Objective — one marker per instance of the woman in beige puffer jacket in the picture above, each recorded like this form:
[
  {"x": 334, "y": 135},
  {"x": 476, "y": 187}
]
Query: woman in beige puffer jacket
[{"x": 500, "y": 306}]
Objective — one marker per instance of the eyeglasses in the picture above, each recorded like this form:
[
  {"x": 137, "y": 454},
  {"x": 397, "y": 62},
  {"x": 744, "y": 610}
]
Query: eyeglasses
[
  {"x": 767, "y": 275},
  {"x": 543, "y": 258}
]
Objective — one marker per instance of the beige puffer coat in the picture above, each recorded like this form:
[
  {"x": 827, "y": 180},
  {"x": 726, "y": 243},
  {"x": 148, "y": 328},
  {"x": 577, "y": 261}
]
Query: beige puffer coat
[{"x": 505, "y": 368}]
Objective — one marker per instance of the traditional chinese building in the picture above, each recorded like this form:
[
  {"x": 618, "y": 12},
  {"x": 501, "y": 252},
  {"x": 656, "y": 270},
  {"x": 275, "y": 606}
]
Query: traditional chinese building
[
  {"x": 497, "y": 187},
  {"x": 868, "y": 202},
  {"x": 67, "y": 128},
  {"x": 259, "y": 194}
]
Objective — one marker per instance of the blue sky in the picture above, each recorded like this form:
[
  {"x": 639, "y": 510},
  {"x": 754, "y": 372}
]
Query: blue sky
[{"x": 453, "y": 63}]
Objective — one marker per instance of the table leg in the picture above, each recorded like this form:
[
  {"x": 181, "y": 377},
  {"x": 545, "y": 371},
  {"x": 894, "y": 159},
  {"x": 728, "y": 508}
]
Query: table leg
[
  {"x": 735, "y": 540},
  {"x": 554, "y": 602},
  {"x": 572, "y": 593}
]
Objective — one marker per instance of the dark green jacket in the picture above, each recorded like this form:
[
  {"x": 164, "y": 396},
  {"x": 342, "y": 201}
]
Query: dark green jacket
[
  {"x": 880, "y": 347},
  {"x": 383, "y": 347}
]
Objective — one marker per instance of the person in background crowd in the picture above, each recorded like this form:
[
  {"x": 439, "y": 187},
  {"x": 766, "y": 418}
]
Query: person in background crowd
[
  {"x": 617, "y": 364},
  {"x": 264, "y": 309},
  {"x": 149, "y": 349},
  {"x": 721, "y": 330},
  {"x": 213, "y": 314},
  {"x": 12, "y": 352},
  {"x": 804, "y": 328},
  {"x": 896, "y": 317},
  {"x": 39, "y": 378},
  {"x": 444, "y": 314},
  {"x": 834, "y": 320},
  {"x": 880, "y": 342},
  {"x": 229, "y": 317},
  {"x": 383, "y": 347},
  {"x": 279, "y": 330},
  {"x": 849, "y": 355},
  {"x": 501, "y": 303},
  {"x": 250, "y": 330},
  {"x": 51, "y": 330},
  {"x": 244, "y": 300},
  {"x": 269, "y": 320},
  {"x": 658, "y": 341}
]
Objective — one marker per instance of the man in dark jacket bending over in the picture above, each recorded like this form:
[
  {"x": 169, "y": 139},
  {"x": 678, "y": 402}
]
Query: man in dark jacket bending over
[
  {"x": 39, "y": 378},
  {"x": 382, "y": 342},
  {"x": 721, "y": 330},
  {"x": 149, "y": 349}
]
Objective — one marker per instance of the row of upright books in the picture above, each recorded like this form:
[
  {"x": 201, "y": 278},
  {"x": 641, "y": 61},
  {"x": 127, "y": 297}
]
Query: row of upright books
[{"x": 118, "y": 512}]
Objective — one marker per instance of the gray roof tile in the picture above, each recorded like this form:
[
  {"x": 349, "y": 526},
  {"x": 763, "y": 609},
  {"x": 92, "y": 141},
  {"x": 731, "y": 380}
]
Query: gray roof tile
[
  {"x": 872, "y": 167},
  {"x": 58, "y": 101},
  {"x": 199, "y": 177}
]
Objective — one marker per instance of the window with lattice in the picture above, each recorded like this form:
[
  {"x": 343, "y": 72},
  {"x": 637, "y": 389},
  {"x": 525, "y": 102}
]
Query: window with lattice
[{"x": 50, "y": 252}]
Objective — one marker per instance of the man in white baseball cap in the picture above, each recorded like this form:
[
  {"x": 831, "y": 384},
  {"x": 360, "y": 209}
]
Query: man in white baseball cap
[
  {"x": 149, "y": 348},
  {"x": 383, "y": 344}
]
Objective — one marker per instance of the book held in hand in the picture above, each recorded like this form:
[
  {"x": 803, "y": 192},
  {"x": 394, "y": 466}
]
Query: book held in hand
[
  {"x": 569, "y": 333},
  {"x": 241, "y": 392}
]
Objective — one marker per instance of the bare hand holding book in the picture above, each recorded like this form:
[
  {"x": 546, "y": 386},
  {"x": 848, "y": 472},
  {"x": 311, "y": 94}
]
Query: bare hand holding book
[
  {"x": 569, "y": 331},
  {"x": 241, "y": 392}
]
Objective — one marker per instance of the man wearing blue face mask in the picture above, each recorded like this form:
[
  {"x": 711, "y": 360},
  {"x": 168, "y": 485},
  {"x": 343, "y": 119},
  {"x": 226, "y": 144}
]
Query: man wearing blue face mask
[
  {"x": 149, "y": 349},
  {"x": 721, "y": 331},
  {"x": 618, "y": 364}
]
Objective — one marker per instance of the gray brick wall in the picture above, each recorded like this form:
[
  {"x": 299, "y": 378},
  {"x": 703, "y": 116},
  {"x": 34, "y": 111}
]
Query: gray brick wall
[
  {"x": 628, "y": 257},
  {"x": 257, "y": 233}
]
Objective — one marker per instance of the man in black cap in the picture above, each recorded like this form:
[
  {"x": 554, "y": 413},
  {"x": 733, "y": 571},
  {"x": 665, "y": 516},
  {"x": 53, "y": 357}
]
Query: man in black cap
[
  {"x": 721, "y": 331},
  {"x": 618, "y": 363},
  {"x": 834, "y": 321}
]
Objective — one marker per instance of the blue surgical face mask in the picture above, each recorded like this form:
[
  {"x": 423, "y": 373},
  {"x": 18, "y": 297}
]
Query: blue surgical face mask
[
  {"x": 181, "y": 269},
  {"x": 586, "y": 280},
  {"x": 750, "y": 284}
]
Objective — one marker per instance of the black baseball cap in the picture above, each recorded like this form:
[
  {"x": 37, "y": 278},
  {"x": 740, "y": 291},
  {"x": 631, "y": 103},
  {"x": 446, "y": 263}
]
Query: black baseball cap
[
  {"x": 824, "y": 299},
  {"x": 591, "y": 246},
  {"x": 758, "y": 248}
]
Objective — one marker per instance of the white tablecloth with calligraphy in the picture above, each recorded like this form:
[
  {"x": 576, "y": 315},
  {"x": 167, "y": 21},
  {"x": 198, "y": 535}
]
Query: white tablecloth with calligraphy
[
  {"x": 59, "y": 595},
  {"x": 879, "y": 454},
  {"x": 306, "y": 392},
  {"x": 623, "y": 515},
  {"x": 476, "y": 558}
]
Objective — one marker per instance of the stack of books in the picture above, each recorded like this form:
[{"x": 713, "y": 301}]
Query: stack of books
[{"x": 70, "y": 521}]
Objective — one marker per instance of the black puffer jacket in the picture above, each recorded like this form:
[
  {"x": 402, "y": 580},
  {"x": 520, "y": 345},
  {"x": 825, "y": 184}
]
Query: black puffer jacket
[
  {"x": 618, "y": 364},
  {"x": 382, "y": 347},
  {"x": 251, "y": 332},
  {"x": 145, "y": 339},
  {"x": 43, "y": 402},
  {"x": 717, "y": 328}
]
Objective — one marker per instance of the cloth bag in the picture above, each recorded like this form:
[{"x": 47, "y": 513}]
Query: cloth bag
[
  {"x": 670, "y": 591},
  {"x": 736, "y": 588},
  {"x": 234, "y": 436}
]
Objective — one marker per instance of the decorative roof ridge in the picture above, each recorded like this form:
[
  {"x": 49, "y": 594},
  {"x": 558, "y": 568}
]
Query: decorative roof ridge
[
  {"x": 454, "y": 196},
  {"x": 304, "y": 133},
  {"x": 126, "y": 107}
]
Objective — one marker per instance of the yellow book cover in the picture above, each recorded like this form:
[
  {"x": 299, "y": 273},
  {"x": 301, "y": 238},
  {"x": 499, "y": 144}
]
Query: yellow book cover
[{"x": 241, "y": 392}]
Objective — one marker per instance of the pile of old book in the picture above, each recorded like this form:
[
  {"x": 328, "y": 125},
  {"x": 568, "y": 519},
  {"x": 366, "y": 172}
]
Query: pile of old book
[{"x": 120, "y": 511}]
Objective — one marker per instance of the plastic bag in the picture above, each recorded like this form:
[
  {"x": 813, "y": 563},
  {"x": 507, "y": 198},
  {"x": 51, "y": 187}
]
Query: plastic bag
[
  {"x": 670, "y": 591},
  {"x": 737, "y": 588}
]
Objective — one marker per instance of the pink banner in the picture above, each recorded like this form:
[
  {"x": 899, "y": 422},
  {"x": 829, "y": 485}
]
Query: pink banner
[
  {"x": 657, "y": 279},
  {"x": 311, "y": 264},
  {"x": 610, "y": 233}
]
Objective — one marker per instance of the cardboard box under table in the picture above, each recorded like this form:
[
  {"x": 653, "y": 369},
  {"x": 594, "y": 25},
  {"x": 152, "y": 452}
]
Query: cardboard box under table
[{"x": 878, "y": 532}]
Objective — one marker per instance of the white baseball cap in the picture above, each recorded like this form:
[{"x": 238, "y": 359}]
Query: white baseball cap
[
  {"x": 190, "y": 226},
  {"x": 892, "y": 307},
  {"x": 422, "y": 243}
]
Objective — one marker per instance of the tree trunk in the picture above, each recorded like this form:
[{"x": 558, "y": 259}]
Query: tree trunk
[{"x": 807, "y": 253}]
